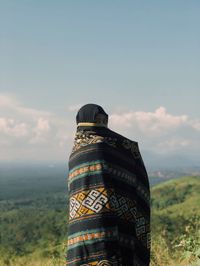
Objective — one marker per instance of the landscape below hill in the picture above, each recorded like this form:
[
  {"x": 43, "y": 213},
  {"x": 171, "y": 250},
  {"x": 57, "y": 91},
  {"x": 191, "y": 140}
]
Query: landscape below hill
[{"x": 33, "y": 205}]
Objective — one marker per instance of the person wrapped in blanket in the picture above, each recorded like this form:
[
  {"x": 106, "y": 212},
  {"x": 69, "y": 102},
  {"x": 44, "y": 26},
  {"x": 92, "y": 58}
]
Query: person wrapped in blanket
[{"x": 109, "y": 196}]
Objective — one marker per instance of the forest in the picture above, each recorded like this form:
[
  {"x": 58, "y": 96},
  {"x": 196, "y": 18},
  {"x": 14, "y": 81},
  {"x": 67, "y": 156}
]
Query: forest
[{"x": 34, "y": 220}]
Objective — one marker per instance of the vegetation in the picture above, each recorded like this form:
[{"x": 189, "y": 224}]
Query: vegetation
[
  {"x": 33, "y": 225},
  {"x": 176, "y": 222}
]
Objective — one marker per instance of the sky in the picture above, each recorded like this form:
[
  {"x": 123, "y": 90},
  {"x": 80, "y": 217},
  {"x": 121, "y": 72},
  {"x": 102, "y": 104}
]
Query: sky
[{"x": 140, "y": 60}]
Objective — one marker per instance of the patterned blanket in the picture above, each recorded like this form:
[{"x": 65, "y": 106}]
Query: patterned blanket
[{"x": 109, "y": 199}]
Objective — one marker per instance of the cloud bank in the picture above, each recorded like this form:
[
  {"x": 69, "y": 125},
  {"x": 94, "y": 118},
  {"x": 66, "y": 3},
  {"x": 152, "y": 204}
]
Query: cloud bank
[
  {"x": 159, "y": 131},
  {"x": 28, "y": 133}
]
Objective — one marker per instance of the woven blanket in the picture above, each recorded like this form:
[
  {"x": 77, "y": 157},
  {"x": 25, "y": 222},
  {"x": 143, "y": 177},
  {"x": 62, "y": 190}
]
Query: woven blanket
[{"x": 109, "y": 202}]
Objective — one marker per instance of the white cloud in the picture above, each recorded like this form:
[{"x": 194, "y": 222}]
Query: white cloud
[
  {"x": 19, "y": 121},
  {"x": 7, "y": 100},
  {"x": 195, "y": 124},
  {"x": 11, "y": 103},
  {"x": 153, "y": 123},
  {"x": 43, "y": 125},
  {"x": 31, "y": 132},
  {"x": 40, "y": 131},
  {"x": 13, "y": 128},
  {"x": 159, "y": 131},
  {"x": 37, "y": 134}
]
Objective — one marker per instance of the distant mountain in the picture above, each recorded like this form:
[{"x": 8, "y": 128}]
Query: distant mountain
[{"x": 153, "y": 161}]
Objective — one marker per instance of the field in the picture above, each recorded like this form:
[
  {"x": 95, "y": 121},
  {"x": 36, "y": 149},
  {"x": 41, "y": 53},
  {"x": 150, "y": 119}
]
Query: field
[{"x": 33, "y": 219}]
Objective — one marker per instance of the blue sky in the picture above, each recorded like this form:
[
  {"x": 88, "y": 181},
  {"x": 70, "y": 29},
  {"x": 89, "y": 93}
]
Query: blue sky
[{"x": 129, "y": 56}]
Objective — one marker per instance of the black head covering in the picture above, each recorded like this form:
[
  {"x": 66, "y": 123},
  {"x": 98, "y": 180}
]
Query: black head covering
[{"x": 88, "y": 113}]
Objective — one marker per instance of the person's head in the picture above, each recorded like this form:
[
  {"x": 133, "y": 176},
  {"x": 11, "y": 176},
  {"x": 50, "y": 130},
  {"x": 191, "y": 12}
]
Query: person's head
[{"x": 92, "y": 113}]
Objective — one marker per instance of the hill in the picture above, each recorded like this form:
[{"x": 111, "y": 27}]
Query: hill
[
  {"x": 178, "y": 197},
  {"x": 33, "y": 228},
  {"x": 176, "y": 222}
]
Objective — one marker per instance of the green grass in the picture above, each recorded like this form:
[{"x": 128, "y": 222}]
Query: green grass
[
  {"x": 176, "y": 222},
  {"x": 33, "y": 230}
]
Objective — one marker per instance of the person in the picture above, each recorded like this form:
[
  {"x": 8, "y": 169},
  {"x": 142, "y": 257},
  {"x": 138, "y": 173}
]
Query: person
[{"x": 109, "y": 196}]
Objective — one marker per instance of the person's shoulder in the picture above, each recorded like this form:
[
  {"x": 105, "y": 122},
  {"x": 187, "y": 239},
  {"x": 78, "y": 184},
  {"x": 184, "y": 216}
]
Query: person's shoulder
[{"x": 121, "y": 137}]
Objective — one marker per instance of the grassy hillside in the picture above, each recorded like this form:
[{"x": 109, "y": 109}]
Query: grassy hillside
[
  {"x": 180, "y": 196},
  {"x": 33, "y": 228},
  {"x": 176, "y": 222}
]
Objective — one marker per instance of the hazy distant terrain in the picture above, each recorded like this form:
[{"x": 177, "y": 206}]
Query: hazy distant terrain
[
  {"x": 33, "y": 205},
  {"x": 29, "y": 181}
]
